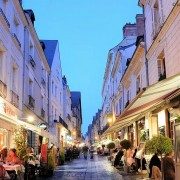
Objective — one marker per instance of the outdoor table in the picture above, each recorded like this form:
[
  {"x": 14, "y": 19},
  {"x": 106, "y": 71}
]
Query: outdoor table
[{"x": 16, "y": 168}]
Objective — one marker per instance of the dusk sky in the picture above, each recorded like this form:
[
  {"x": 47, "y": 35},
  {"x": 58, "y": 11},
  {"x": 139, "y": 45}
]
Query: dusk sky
[{"x": 86, "y": 30}]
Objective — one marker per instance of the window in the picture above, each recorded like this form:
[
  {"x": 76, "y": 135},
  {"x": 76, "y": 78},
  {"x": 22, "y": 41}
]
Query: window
[
  {"x": 42, "y": 102},
  {"x": 1, "y": 65},
  {"x": 31, "y": 49},
  {"x": 55, "y": 112},
  {"x": 30, "y": 87},
  {"x": 52, "y": 112},
  {"x": 156, "y": 18},
  {"x": 137, "y": 84},
  {"x": 52, "y": 87},
  {"x": 14, "y": 78},
  {"x": 161, "y": 66},
  {"x": 120, "y": 105},
  {"x": 117, "y": 109},
  {"x": 55, "y": 91},
  {"x": 127, "y": 95}
]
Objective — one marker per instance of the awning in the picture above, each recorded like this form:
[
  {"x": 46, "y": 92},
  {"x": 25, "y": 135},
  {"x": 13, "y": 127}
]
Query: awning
[
  {"x": 152, "y": 98},
  {"x": 30, "y": 127}
]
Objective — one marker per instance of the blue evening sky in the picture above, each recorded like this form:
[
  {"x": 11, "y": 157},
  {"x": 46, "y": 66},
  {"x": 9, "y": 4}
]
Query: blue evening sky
[{"x": 86, "y": 30}]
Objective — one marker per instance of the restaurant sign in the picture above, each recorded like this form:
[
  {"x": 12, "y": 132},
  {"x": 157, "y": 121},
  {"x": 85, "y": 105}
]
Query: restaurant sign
[{"x": 7, "y": 110}]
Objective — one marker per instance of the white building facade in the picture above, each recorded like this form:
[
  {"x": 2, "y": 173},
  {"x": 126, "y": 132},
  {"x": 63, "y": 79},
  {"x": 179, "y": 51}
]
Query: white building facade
[
  {"x": 12, "y": 22},
  {"x": 55, "y": 87}
]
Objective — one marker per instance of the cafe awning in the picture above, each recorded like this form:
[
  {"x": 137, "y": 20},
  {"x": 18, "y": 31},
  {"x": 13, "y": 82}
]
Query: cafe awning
[{"x": 152, "y": 98}]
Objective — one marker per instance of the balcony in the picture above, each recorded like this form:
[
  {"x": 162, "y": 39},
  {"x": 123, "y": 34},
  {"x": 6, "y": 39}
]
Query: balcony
[
  {"x": 16, "y": 39},
  {"x": 5, "y": 18},
  {"x": 42, "y": 113},
  {"x": 32, "y": 62},
  {"x": 43, "y": 82},
  {"x": 14, "y": 99},
  {"x": 3, "y": 89},
  {"x": 127, "y": 103},
  {"x": 31, "y": 102}
]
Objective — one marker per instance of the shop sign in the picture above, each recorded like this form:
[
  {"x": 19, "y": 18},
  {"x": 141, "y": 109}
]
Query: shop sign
[{"x": 5, "y": 109}]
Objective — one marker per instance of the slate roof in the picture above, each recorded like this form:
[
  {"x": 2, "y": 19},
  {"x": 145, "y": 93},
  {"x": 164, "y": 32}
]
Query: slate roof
[
  {"x": 50, "y": 48},
  {"x": 75, "y": 98}
]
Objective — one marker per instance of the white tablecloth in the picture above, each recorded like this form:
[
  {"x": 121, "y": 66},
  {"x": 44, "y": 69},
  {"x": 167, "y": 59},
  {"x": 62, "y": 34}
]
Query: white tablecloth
[{"x": 15, "y": 167}]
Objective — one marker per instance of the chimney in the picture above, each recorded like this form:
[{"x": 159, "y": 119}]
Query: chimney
[
  {"x": 42, "y": 45},
  {"x": 129, "y": 30},
  {"x": 31, "y": 15},
  {"x": 140, "y": 24}
]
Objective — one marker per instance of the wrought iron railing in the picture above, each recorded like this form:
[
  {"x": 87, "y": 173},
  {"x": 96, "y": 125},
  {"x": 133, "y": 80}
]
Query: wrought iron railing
[
  {"x": 5, "y": 18},
  {"x": 31, "y": 102},
  {"x": 3, "y": 89},
  {"x": 42, "y": 113},
  {"x": 16, "y": 38},
  {"x": 14, "y": 99}
]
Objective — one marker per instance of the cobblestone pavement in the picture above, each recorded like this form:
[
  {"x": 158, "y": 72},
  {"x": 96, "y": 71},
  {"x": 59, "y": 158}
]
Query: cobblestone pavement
[{"x": 80, "y": 169}]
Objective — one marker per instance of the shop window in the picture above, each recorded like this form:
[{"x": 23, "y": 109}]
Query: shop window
[
  {"x": 131, "y": 134},
  {"x": 3, "y": 137}
]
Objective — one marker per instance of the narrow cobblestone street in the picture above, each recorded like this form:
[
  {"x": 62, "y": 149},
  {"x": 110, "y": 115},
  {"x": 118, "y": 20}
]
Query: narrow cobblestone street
[{"x": 81, "y": 169}]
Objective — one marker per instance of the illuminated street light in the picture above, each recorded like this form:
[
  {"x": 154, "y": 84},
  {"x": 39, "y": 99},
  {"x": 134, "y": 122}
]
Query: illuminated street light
[{"x": 30, "y": 119}]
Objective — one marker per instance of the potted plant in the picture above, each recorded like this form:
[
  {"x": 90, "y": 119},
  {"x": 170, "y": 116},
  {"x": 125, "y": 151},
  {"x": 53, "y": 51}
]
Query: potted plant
[
  {"x": 125, "y": 144},
  {"x": 20, "y": 138},
  {"x": 160, "y": 145},
  {"x": 51, "y": 164},
  {"x": 62, "y": 157}
]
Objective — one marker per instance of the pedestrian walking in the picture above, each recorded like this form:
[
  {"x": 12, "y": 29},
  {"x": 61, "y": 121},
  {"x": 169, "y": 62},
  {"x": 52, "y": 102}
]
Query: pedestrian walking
[{"x": 85, "y": 151}]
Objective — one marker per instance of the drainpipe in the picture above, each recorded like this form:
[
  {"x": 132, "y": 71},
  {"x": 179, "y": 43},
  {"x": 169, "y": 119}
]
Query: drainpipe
[{"x": 145, "y": 48}]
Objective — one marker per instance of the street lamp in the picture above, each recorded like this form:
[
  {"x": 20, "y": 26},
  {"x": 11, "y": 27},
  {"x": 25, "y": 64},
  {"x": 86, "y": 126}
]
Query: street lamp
[{"x": 30, "y": 119}]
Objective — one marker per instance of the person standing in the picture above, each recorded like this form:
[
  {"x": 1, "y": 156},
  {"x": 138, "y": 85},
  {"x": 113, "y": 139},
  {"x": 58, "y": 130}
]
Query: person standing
[
  {"x": 168, "y": 167},
  {"x": 85, "y": 151}
]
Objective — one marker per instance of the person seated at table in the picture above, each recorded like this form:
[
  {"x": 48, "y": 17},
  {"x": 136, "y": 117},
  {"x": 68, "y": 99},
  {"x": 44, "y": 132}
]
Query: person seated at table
[
  {"x": 12, "y": 157},
  {"x": 3, "y": 154},
  {"x": 118, "y": 158}
]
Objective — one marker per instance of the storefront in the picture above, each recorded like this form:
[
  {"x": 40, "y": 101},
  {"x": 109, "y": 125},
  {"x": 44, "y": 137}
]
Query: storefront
[{"x": 8, "y": 117}]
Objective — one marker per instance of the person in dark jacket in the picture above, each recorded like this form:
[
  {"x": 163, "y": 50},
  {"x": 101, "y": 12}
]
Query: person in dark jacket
[
  {"x": 155, "y": 161},
  {"x": 117, "y": 161},
  {"x": 168, "y": 167}
]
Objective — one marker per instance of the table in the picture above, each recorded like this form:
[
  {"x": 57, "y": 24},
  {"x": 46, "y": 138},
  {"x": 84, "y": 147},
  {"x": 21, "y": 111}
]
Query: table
[{"x": 16, "y": 167}]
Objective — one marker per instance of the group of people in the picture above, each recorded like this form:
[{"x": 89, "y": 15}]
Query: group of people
[
  {"x": 87, "y": 149},
  {"x": 71, "y": 153},
  {"x": 9, "y": 156},
  {"x": 165, "y": 168},
  {"x": 135, "y": 160}
]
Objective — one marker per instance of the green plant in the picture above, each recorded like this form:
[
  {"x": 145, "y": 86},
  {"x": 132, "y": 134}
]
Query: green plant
[
  {"x": 177, "y": 119},
  {"x": 111, "y": 145},
  {"x": 51, "y": 159},
  {"x": 62, "y": 158},
  {"x": 160, "y": 145},
  {"x": 20, "y": 138},
  {"x": 126, "y": 144}
]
